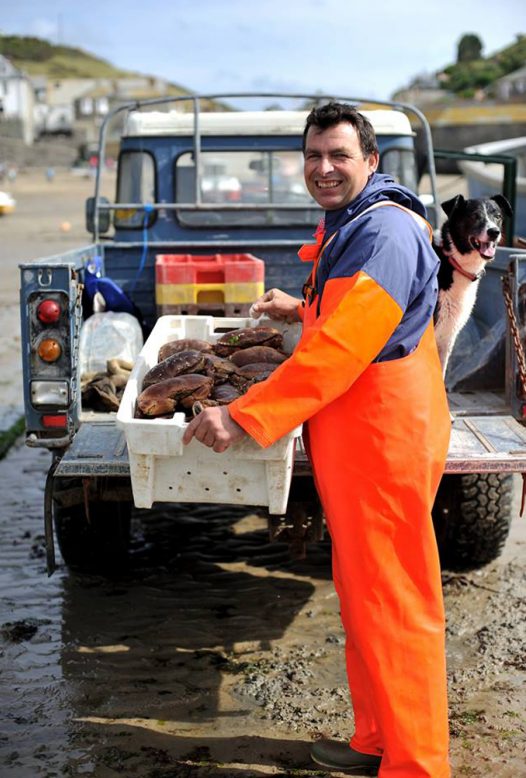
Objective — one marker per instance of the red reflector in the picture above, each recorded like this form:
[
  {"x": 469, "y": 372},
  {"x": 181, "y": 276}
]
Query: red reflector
[
  {"x": 48, "y": 311},
  {"x": 59, "y": 420}
]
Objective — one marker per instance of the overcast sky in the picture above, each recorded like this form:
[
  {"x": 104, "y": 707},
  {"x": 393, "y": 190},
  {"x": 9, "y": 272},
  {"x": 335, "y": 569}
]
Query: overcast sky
[{"x": 341, "y": 47}]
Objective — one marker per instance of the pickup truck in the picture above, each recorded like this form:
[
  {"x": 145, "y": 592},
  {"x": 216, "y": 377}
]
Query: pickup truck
[{"x": 195, "y": 177}]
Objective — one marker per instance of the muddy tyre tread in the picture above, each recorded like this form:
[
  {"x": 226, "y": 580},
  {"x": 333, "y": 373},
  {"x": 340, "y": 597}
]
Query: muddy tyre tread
[{"x": 472, "y": 517}]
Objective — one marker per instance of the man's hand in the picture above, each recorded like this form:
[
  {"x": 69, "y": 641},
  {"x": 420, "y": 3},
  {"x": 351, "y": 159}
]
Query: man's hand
[
  {"x": 215, "y": 428},
  {"x": 278, "y": 305}
]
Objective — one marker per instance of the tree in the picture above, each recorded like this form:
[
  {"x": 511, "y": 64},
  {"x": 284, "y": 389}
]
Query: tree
[{"x": 469, "y": 48}]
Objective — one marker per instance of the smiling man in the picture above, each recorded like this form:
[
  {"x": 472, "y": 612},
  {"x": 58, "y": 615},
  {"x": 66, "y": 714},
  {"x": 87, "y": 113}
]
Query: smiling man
[
  {"x": 365, "y": 379},
  {"x": 336, "y": 167}
]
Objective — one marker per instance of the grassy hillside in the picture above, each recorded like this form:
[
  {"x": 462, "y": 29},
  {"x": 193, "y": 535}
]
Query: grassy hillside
[
  {"x": 464, "y": 78},
  {"x": 39, "y": 57}
]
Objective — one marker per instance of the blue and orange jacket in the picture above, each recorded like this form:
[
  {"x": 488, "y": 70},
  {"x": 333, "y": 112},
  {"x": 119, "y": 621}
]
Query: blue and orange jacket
[{"x": 371, "y": 296}]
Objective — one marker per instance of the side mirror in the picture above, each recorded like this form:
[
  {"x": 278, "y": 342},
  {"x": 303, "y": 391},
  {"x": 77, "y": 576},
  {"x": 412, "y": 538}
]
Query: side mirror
[{"x": 104, "y": 216}]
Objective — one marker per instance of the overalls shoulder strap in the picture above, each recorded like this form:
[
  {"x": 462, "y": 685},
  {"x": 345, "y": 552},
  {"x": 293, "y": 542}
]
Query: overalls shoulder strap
[{"x": 423, "y": 223}]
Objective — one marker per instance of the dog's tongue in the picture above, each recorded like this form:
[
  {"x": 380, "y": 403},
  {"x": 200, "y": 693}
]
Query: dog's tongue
[{"x": 487, "y": 250}]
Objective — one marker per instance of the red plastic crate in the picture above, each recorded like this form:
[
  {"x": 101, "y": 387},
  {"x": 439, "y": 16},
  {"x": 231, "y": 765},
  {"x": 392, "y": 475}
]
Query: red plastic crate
[{"x": 208, "y": 269}]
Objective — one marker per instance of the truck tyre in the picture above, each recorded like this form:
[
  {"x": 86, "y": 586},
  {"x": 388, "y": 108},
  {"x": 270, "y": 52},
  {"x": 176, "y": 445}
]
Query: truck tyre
[
  {"x": 97, "y": 545},
  {"x": 472, "y": 517}
]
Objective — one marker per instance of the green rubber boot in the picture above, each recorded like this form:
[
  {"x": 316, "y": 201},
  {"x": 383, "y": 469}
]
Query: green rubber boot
[{"x": 340, "y": 756}]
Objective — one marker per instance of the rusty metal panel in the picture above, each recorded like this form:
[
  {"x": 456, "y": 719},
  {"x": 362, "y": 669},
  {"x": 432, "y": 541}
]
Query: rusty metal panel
[{"x": 99, "y": 448}]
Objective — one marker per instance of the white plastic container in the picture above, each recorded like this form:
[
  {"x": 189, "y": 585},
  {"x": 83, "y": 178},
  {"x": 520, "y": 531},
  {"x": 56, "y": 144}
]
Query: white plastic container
[{"x": 164, "y": 470}]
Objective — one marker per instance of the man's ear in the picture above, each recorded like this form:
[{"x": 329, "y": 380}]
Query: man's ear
[{"x": 373, "y": 160}]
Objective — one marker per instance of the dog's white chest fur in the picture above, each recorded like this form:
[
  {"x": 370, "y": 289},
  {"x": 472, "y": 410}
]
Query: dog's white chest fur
[{"x": 454, "y": 308}]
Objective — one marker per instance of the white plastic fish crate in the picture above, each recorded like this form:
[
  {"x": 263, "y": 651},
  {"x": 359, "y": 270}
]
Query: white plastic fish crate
[{"x": 164, "y": 470}]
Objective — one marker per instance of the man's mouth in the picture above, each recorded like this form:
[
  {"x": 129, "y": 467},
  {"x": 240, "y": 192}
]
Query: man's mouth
[
  {"x": 486, "y": 249},
  {"x": 327, "y": 184}
]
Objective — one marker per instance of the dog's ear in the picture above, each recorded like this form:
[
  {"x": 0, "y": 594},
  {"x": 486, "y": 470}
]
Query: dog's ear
[
  {"x": 503, "y": 204},
  {"x": 451, "y": 205}
]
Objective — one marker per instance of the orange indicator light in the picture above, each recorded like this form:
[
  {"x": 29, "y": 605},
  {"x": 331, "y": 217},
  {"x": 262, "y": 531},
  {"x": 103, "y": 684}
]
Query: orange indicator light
[{"x": 49, "y": 350}]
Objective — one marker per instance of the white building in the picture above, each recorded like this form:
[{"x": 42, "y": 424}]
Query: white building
[
  {"x": 512, "y": 86},
  {"x": 16, "y": 102}
]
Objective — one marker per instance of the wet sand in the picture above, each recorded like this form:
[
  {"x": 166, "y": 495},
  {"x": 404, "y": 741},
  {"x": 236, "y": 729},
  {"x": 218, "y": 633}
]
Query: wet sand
[{"x": 48, "y": 220}]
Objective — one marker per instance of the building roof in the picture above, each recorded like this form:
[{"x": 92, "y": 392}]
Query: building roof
[
  {"x": 8, "y": 70},
  {"x": 515, "y": 75}
]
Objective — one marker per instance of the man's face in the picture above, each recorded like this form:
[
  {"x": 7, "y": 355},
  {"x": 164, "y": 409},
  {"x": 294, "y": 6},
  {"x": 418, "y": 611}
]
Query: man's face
[{"x": 334, "y": 168}]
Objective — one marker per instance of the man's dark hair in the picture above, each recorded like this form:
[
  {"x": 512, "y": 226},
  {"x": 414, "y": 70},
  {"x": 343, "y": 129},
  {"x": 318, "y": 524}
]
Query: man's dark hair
[{"x": 330, "y": 114}]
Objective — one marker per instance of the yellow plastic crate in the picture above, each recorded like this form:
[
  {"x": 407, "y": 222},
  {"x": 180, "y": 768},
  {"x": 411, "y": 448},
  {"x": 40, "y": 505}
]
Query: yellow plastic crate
[{"x": 181, "y": 294}]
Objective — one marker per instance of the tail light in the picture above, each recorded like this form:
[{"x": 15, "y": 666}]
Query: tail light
[
  {"x": 55, "y": 421},
  {"x": 50, "y": 357},
  {"x": 51, "y": 314},
  {"x": 48, "y": 311},
  {"x": 49, "y": 350}
]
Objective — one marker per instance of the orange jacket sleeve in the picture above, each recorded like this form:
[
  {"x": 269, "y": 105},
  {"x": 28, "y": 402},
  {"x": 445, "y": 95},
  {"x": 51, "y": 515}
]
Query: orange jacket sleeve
[{"x": 356, "y": 320}]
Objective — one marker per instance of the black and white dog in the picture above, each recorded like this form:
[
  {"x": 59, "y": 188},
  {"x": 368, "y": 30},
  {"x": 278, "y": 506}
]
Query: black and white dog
[{"x": 470, "y": 236}]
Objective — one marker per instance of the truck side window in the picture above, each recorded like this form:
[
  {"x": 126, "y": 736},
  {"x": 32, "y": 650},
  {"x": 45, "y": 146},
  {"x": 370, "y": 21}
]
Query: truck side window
[
  {"x": 400, "y": 163},
  {"x": 136, "y": 184},
  {"x": 266, "y": 178}
]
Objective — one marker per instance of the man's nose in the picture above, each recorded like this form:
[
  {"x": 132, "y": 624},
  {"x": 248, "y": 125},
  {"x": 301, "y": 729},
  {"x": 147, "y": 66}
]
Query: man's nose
[{"x": 326, "y": 165}]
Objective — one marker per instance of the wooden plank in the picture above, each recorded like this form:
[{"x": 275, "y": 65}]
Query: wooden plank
[
  {"x": 463, "y": 442},
  {"x": 487, "y": 444}
]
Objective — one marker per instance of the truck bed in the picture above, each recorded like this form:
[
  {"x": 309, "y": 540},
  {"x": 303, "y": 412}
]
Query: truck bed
[{"x": 486, "y": 441}]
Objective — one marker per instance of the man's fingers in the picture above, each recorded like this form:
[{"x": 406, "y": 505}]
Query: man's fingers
[
  {"x": 207, "y": 438},
  {"x": 190, "y": 430},
  {"x": 220, "y": 446},
  {"x": 214, "y": 428}
]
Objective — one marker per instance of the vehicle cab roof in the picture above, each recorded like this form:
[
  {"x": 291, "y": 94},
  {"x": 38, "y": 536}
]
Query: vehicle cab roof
[{"x": 167, "y": 123}]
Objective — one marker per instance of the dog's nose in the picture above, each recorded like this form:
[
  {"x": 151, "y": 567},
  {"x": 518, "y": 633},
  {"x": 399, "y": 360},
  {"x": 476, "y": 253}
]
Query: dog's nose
[{"x": 493, "y": 233}]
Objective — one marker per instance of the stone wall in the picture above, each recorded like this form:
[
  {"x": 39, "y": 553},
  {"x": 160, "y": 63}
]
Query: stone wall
[{"x": 59, "y": 152}]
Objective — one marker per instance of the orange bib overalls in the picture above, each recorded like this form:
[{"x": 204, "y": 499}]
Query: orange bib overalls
[{"x": 378, "y": 448}]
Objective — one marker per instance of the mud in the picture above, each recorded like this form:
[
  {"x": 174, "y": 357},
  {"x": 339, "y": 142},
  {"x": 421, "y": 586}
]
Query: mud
[{"x": 213, "y": 654}]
